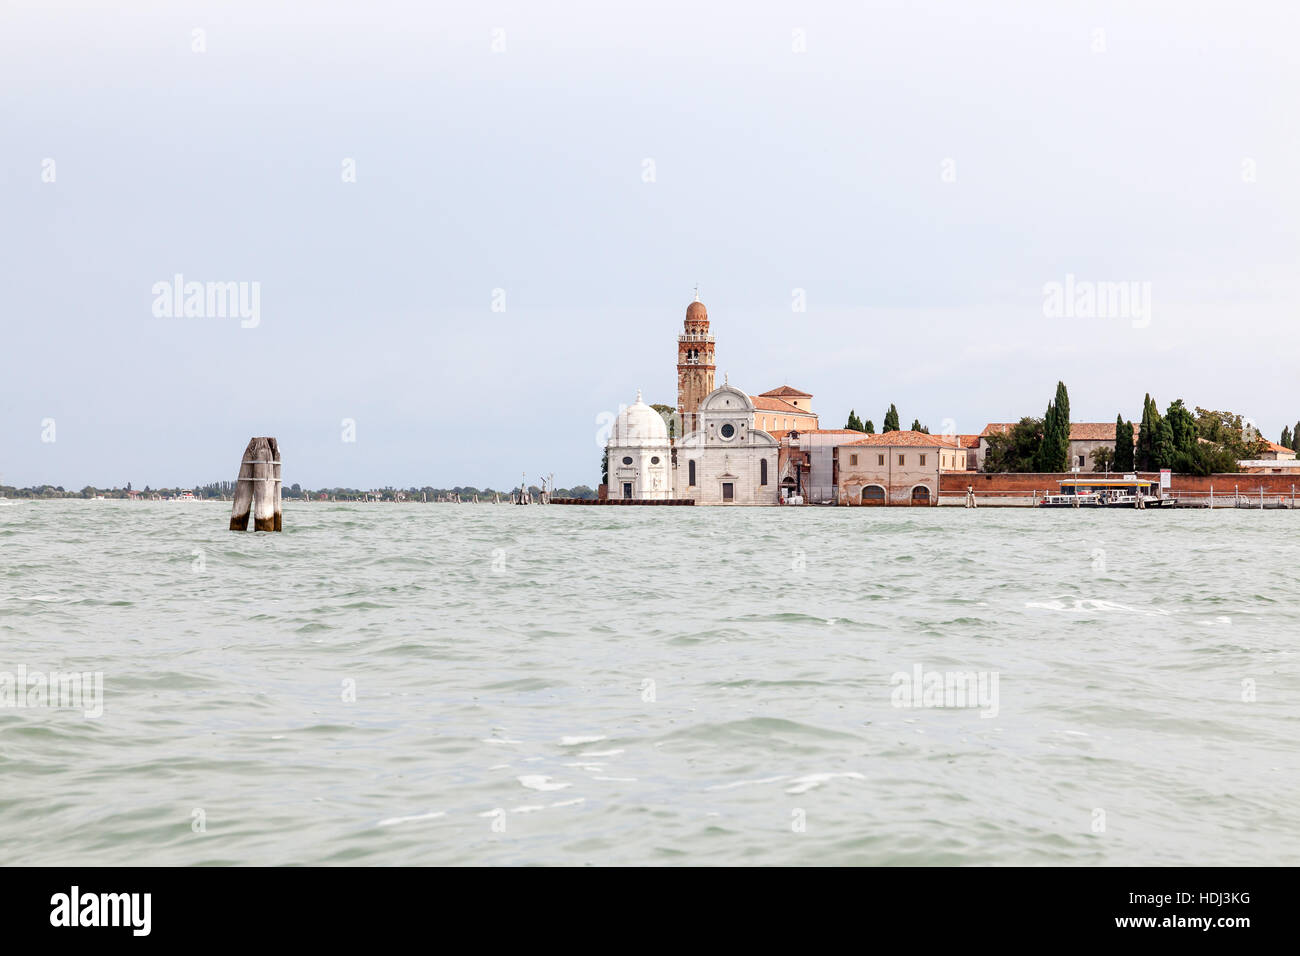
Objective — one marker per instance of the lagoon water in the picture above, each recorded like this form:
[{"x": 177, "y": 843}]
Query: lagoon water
[{"x": 440, "y": 684}]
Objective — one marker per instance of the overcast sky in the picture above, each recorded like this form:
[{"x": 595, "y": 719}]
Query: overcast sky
[{"x": 920, "y": 170}]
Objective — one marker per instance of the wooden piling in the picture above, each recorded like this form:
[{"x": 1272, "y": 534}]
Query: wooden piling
[
  {"x": 276, "y": 484},
  {"x": 258, "y": 487},
  {"x": 263, "y": 486},
  {"x": 243, "y": 490}
]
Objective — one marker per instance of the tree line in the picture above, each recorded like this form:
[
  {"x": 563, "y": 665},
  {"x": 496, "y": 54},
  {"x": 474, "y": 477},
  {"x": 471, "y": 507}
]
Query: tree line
[
  {"x": 1200, "y": 442},
  {"x": 856, "y": 424}
]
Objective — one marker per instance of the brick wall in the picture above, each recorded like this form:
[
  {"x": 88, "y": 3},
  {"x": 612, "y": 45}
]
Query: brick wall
[{"x": 1036, "y": 481}]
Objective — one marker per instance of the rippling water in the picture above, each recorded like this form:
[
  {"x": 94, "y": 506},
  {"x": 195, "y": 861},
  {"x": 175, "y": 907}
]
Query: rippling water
[{"x": 650, "y": 685}]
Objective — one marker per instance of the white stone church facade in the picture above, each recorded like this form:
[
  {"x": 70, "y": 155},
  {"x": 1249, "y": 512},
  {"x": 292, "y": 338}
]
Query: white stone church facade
[
  {"x": 727, "y": 461},
  {"x": 722, "y": 459}
]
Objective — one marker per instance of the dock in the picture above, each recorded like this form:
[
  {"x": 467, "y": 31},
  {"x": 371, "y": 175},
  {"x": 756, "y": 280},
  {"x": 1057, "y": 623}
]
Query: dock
[{"x": 622, "y": 501}]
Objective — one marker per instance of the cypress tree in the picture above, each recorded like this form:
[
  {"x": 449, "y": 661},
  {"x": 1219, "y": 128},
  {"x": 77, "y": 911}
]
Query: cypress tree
[
  {"x": 1295, "y": 438},
  {"x": 1063, "y": 423},
  {"x": 891, "y": 419},
  {"x": 869, "y": 427},
  {"x": 854, "y": 423},
  {"x": 1123, "y": 445},
  {"x": 1285, "y": 440},
  {"x": 1146, "y": 435},
  {"x": 1045, "y": 456}
]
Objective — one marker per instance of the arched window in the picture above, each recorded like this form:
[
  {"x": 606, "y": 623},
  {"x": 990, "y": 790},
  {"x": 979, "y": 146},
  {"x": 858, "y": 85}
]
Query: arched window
[
  {"x": 762, "y": 471},
  {"x": 873, "y": 495}
]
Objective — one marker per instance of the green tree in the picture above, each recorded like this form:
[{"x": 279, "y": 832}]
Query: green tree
[
  {"x": 1182, "y": 426},
  {"x": 669, "y": 415},
  {"x": 1163, "y": 453},
  {"x": 1148, "y": 435},
  {"x": 1295, "y": 438},
  {"x": 1103, "y": 458},
  {"x": 1054, "y": 451},
  {"x": 869, "y": 427},
  {"x": 1015, "y": 450},
  {"x": 1123, "y": 461},
  {"x": 1285, "y": 440},
  {"x": 1056, "y": 442},
  {"x": 854, "y": 424},
  {"x": 1043, "y": 455},
  {"x": 918, "y": 427},
  {"x": 891, "y": 419}
]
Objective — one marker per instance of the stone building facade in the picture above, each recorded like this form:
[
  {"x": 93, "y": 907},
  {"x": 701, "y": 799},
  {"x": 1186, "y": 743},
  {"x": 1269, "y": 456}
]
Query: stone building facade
[
  {"x": 726, "y": 460},
  {"x": 895, "y": 468},
  {"x": 639, "y": 455}
]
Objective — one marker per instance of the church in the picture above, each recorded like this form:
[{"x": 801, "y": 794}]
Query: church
[{"x": 730, "y": 442}]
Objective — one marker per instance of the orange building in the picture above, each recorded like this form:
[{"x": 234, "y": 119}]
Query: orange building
[{"x": 783, "y": 410}]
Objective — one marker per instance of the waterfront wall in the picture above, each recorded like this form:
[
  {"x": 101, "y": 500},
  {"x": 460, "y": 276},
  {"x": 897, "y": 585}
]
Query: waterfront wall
[{"x": 1020, "y": 484}]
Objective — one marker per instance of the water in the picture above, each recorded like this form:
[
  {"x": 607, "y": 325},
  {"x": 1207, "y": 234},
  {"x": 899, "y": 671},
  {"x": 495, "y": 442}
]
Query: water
[{"x": 650, "y": 685}]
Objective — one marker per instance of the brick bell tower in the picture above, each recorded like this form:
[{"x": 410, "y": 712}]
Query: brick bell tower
[{"x": 695, "y": 366}]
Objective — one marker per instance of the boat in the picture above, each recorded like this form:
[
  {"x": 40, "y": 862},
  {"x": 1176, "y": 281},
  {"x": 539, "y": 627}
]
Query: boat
[{"x": 1128, "y": 491}]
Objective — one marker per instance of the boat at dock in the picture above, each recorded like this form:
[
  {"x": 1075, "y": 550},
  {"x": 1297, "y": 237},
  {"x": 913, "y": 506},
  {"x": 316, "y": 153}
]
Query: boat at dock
[{"x": 1128, "y": 491}]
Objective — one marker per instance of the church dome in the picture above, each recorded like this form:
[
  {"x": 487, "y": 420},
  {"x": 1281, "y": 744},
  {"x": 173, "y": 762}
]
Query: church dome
[
  {"x": 639, "y": 425},
  {"x": 697, "y": 316}
]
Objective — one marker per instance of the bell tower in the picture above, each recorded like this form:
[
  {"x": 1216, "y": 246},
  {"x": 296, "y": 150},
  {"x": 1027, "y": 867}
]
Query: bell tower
[{"x": 695, "y": 366}]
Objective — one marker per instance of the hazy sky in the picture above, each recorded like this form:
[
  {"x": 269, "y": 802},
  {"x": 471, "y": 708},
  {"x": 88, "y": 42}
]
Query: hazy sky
[{"x": 920, "y": 170}]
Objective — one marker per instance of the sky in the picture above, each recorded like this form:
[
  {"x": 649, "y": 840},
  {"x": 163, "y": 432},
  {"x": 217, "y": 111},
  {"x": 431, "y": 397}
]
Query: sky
[{"x": 473, "y": 228}]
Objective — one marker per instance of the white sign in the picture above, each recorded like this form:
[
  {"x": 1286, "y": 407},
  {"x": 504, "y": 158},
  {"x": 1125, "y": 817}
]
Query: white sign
[{"x": 1165, "y": 475}]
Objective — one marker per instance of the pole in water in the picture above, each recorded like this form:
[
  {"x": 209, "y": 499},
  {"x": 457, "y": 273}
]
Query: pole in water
[{"x": 257, "y": 489}]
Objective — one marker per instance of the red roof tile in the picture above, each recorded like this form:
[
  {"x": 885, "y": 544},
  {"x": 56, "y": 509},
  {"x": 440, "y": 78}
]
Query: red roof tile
[
  {"x": 906, "y": 439},
  {"x": 1079, "y": 431},
  {"x": 785, "y": 391},
  {"x": 776, "y": 405}
]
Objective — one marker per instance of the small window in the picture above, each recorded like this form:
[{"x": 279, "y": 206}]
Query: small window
[
  {"x": 880, "y": 460},
  {"x": 901, "y": 460},
  {"x": 922, "y": 461},
  {"x": 762, "y": 471},
  {"x": 654, "y": 460},
  {"x": 728, "y": 430},
  {"x": 691, "y": 470},
  {"x": 627, "y": 460},
  {"x": 853, "y": 459}
]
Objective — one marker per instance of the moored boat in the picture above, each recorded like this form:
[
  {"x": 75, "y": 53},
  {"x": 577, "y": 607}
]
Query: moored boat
[{"x": 1127, "y": 491}]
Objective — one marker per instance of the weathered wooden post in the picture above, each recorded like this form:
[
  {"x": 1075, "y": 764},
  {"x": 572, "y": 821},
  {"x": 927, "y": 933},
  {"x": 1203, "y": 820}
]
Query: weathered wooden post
[
  {"x": 243, "y": 497},
  {"x": 276, "y": 483},
  {"x": 258, "y": 487}
]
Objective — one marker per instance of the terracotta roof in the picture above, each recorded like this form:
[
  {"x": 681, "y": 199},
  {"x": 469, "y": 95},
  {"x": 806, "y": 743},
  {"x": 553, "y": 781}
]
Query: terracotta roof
[
  {"x": 785, "y": 391},
  {"x": 906, "y": 439},
  {"x": 765, "y": 404},
  {"x": 997, "y": 428},
  {"x": 827, "y": 431},
  {"x": 1079, "y": 431},
  {"x": 1274, "y": 446},
  {"x": 969, "y": 441},
  {"x": 1092, "y": 431}
]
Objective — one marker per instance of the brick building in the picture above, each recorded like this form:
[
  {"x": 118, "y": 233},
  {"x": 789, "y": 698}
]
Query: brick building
[{"x": 895, "y": 468}]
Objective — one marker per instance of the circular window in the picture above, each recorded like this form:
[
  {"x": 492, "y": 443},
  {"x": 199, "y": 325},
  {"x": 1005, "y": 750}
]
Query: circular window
[
  {"x": 728, "y": 431},
  {"x": 627, "y": 461},
  {"x": 654, "y": 460}
]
